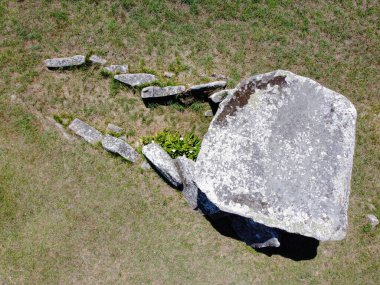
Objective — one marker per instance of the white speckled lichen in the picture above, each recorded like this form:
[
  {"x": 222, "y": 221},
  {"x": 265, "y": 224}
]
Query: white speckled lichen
[{"x": 287, "y": 145}]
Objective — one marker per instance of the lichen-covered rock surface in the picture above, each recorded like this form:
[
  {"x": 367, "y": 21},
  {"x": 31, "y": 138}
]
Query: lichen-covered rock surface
[
  {"x": 85, "y": 131},
  {"x": 159, "y": 92},
  {"x": 63, "y": 62},
  {"x": 136, "y": 79},
  {"x": 185, "y": 169},
  {"x": 279, "y": 150},
  {"x": 162, "y": 162},
  {"x": 120, "y": 147}
]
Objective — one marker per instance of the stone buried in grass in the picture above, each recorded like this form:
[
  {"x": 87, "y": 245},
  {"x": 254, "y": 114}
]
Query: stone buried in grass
[
  {"x": 85, "y": 131},
  {"x": 63, "y": 62},
  {"x": 280, "y": 151},
  {"x": 117, "y": 68},
  {"x": 135, "y": 80},
  {"x": 163, "y": 163},
  {"x": 120, "y": 147},
  {"x": 114, "y": 129},
  {"x": 94, "y": 59},
  {"x": 160, "y": 92}
]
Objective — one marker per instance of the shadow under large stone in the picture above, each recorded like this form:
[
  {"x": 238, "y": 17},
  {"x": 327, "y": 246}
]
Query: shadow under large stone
[{"x": 292, "y": 246}]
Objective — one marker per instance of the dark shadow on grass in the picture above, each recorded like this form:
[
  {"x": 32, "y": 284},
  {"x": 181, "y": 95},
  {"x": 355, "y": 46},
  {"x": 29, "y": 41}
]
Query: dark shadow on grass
[{"x": 292, "y": 246}]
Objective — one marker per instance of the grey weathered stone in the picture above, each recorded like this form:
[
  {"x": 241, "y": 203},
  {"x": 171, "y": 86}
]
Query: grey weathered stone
[
  {"x": 136, "y": 79},
  {"x": 62, "y": 62},
  {"x": 168, "y": 74},
  {"x": 372, "y": 220},
  {"x": 117, "y": 68},
  {"x": 95, "y": 59},
  {"x": 205, "y": 206},
  {"x": 163, "y": 163},
  {"x": 159, "y": 92},
  {"x": 280, "y": 151},
  {"x": 219, "y": 96},
  {"x": 208, "y": 87},
  {"x": 209, "y": 113},
  {"x": 123, "y": 137},
  {"x": 254, "y": 234},
  {"x": 145, "y": 165},
  {"x": 120, "y": 147},
  {"x": 185, "y": 168},
  {"x": 114, "y": 129},
  {"x": 219, "y": 76},
  {"x": 85, "y": 131},
  {"x": 200, "y": 92}
]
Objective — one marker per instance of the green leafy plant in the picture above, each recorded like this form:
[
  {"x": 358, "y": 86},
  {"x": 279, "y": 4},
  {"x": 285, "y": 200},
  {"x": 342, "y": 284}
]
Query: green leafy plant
[
  {"x": 63, "y": 119},
  {"x": 175, "y": 144}
]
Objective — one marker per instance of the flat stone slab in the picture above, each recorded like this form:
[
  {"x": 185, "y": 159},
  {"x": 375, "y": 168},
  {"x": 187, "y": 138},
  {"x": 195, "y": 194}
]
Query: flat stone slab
[
  {"x": 120, "y": 147},
  {"x": 63, "y": 62},
  {"x": 208, "y": 87},
  {"x": 163, "y": 163},
  {"x": 136, "y": 79},
  {"x": 219, "y": 96},
  {"x": 185, "y": 168},
  {"x": 95, "y": 59},
  {"x": 117, "y": 68},
  {"x": 254, "y": 234},
  {"x": 85, "y": 131},
  {"x": 287, "y": 147},
  {"x": 160, "y": 92}
]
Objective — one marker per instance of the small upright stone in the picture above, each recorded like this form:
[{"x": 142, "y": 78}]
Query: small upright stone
[
  {"x": 114, "y": 129},
  {"x": 145, "y": 165},
  {"x": 168, "y": 74},
  {"x": 94, "y": 59},
  {"x": 120, "y": 147},
  {"x": 209, "y": 113},
  {"x": 254, "y": 234},
  {"x": 185, "y": 168},
  {"x": 219, "y": 96},
  {"x": 63, "y": 62},
  {"x": 117, "y": 68},
  {"x": 372, "y": 220},
  {"x": 160, "y": 92},
  {"x": 163, "y": 163},
  {"x": 85, "y": 131},
  {"x": 137, "y": 79}
]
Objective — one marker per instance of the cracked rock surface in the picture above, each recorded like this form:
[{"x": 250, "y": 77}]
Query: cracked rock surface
[{"x": 287, "y": 145}]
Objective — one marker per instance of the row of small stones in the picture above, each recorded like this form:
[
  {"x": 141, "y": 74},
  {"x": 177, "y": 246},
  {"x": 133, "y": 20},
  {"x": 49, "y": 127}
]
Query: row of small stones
[
  {"x": 138, "y": 79},
  {"x": 118, "y": 145}
]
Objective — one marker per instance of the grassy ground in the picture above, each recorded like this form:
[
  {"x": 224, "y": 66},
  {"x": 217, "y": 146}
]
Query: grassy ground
[{"x": 72, "y": 213}]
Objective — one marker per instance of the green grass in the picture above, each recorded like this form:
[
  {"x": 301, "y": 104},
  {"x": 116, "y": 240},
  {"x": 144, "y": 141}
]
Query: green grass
[{"x": 69, "y": 213}]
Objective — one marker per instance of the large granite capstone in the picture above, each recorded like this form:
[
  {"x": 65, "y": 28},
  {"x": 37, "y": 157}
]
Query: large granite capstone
[{"x": 279, "y": 150}]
